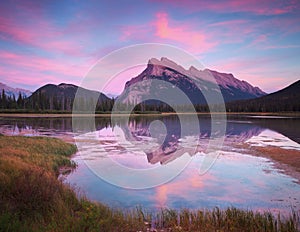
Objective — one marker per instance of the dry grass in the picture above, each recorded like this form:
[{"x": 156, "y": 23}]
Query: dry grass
[
  {"x": 287, "y": 160},
  {"x": 286, "y": 156},
  {"x": 29, "y": 189}
]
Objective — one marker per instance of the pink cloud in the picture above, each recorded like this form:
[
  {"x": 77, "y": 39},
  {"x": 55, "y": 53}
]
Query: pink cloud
[
  {"x": 230, "y": 23},
  {"x": 68, "y": 60},
  {"x": 28, "y": 80},
  {"x": 193, "y": 39},
  {"x": 137, "y": 32},
  {"x": 41, "y": 33},
  {"x": 256, "y": 32},
  {"x": 232, "y": 31},
  {"x": 282, "y": 46},
  {"x": 13, "y": 31},
  {"x": 164, "y": 29},
  {"x": 41, "y": 64},
  {"x": 240, "y": 64},
  {"x": 68, "y": 47},
  {"x": 255, "y": 6},
  {"x": 188, "y": 35},
  {"x": 286, "y": 25},
  {"x": 260, "y": 39},
  {"x": 34, "y": 69},
  {"x": 268, "y": 7},
  {"x": 263, "y": 72}
]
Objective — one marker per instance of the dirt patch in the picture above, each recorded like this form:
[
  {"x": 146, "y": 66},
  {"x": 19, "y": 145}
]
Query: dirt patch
[{"x": 287, "y": 160}]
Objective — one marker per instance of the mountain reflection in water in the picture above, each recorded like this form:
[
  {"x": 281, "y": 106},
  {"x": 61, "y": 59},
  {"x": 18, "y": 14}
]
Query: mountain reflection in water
[{"x": 236, "y": 179}]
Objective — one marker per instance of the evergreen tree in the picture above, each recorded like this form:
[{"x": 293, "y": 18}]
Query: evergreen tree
[
  {"x": 4, "y": 100},
  {"x": 20, "y": 101}
]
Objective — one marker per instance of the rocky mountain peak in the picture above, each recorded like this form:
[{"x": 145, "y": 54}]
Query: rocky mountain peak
[{"x": 192, "y": 81}]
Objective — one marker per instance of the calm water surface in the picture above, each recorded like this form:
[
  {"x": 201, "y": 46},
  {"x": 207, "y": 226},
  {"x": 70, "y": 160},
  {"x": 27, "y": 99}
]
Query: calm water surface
[{"x": 236, "y": 178}]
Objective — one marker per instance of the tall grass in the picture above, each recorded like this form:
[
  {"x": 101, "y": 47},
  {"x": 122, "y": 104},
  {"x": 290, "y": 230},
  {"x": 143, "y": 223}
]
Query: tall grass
[
  {"x": 33, "y": 199},
  {"x": 30, "y": 194},
  {"x": 231, "y": 219}
]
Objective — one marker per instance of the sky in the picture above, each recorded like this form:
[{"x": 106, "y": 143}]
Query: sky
[{"x": 52, "y": 41}]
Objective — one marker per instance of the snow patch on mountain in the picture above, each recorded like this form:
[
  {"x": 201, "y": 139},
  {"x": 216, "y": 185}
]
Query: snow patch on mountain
[{"x": 10, "y": 91}]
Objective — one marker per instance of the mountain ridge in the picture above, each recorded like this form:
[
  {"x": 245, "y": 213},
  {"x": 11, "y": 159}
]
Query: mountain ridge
[
  {"x": 61, "y": 97},
  {"x": 286, "y": 99},
  {"x": 11, "y": 91},
  {"x": 193, "y": 82},
  {"x": 223, "y": 79}
]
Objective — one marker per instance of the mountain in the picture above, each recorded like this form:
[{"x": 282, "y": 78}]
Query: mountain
[
  {"x": 63, "y": 90},
  {"x": 10, "y": 91},
  {"x": 287, "y": 99},
  {"x": 159, "y": 79},
  {"x": 61, "y": 97},
  {"x": 234, "y": 88}
]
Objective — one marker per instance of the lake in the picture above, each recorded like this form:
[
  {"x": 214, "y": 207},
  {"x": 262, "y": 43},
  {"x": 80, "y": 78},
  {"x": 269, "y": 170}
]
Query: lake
[{"x": 238, "y": 176}]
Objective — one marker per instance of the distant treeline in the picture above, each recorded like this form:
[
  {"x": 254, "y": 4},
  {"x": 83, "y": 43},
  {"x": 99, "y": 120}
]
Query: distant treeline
[
  {"x": 40, "y": 102},
  {"x": 43, "y": 103},
  {"x": 261, "y": 105},
  {"x": 11, "y": 102}
]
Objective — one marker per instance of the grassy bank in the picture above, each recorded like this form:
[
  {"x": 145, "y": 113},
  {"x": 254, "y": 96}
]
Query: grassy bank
[{"x": 33, "y": 199}]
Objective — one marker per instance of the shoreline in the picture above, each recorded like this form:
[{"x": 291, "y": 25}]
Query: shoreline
[
  {"x": 69, "y": 115},
  {"x": 286, "y": 161}
]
